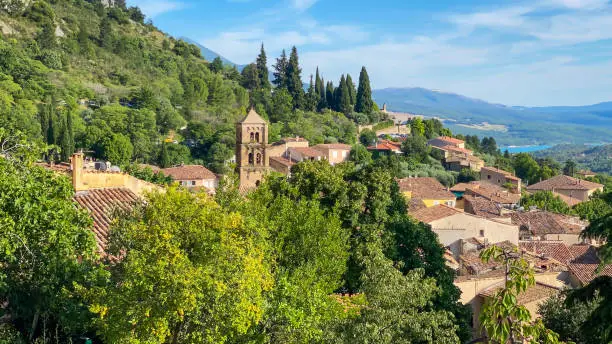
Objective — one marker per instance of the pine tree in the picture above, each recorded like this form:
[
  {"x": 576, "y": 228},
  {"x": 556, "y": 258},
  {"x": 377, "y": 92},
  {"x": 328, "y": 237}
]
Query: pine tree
[
  {"x": 329, "y": 95},
  {"x": 280, "y": 71},
  {"x": 250, "y": 77},
  {"x": 322, "y": 97},
  {"x": 294, "y": 80},
  {"x": 262, "y": 69},
  {"x": 364, "y": 101},
  {"x": 351, "y": 89}
]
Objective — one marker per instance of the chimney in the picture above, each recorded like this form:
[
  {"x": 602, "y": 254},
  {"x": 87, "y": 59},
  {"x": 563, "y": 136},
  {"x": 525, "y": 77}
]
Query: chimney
[{"x": 77, "y": 171}]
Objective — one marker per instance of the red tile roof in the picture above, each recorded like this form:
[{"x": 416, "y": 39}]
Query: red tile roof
[
  {"x": 553, "y": 249},
  {"x": 493, "y": 193},
  {"x": 544, "y": 222},
  {"x": 533, "y": 293},
  {"x": 100, "y": 204},
  {"x": 386, "y": 145},
  {"x": 563, "y": 182},
  {"x": 461, "y": 187},
  {"x": 189, "y": 172},
  {"x": 307, "y": 151},
  {"x": 425, "y": 188},
  {"x": 326, "y": 146},
  {"x": 507, "y": 174},
  {"x": 481, "y": 207},
  {"x": 282, "y": 161},
  {"x": 585, "y": 264},
  {"x": 428, "y": 215},
  {"x": 450, "y": 140}
]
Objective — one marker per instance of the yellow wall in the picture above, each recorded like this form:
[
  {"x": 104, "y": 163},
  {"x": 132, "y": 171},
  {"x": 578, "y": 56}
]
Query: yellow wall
[{"x": 429, "y": 202}]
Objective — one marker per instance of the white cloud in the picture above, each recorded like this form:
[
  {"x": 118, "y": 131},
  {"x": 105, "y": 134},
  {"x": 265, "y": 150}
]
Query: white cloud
[
  {"x": 302, "y": 5},
  {"x": 154, "y": 8}
]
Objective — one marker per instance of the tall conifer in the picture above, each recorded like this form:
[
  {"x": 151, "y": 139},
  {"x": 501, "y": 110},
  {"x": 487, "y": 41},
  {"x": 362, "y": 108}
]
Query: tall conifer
[
  {"x": 343, "y": 98},
  {"x": 329, "y": 95},
  {"x": 312, "y": 97},
  {"x": 262, "y": 69},
  {"x": 322, "y": 96},
  {"x": 294, "y": 79},
  {"x": 364, "y": 101},
  {"x": 280, "y": 71},
  {"x": 351, "y": 89}
]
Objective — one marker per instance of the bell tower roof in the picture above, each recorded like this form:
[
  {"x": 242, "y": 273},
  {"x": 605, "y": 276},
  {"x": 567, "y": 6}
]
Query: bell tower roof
[{"x": 253, "y": 118}]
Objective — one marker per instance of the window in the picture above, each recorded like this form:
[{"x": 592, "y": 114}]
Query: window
[
  {"x": 436, "y": 202},
  {"x": 334, "y": 154},
  {"x": 344, "y": 154},
  {"x": 193, "y": 183},
  {"x": 488, "y": 176},
  {"x": 252, "y": 136},
  {"x": 256, "y": 137},
  {"x": 250, "y": 158},
  {"x": 482, "y": 232},
  {"x": 258, "y": 158}
]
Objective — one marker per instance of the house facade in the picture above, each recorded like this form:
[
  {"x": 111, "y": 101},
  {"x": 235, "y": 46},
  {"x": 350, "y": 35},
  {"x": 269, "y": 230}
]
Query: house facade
[
  {"x": 568, "y": 186},
  {"x": 500, "y": 178},
  {"x": 193, "y": 177},
  {"x": 335, "y": 153}
]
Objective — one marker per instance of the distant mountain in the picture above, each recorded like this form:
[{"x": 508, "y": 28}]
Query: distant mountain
[
  {"x": 210, "y": 55},
  {"x": 511, "y": 124}
]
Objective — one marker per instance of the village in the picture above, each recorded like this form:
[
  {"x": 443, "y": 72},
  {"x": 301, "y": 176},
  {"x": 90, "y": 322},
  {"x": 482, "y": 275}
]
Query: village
[{"x": 467, "y": 217}]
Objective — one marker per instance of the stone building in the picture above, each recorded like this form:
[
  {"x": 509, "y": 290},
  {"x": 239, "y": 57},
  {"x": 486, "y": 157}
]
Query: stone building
[{"x": 252, "y": 156}]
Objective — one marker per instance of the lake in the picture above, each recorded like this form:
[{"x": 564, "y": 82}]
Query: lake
[{"x": 524, "y": 149}]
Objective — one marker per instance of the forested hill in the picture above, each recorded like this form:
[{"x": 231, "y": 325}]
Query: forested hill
[{"x": 81, "y": 75}]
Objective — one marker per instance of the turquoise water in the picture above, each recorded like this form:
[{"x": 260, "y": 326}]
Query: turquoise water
[{"x": 525, "y": 149}]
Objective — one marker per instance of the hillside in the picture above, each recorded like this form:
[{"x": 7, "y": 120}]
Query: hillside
[
  {"x": 82, "y": 75},
  {"x": 513, "y": 125},
  {"x": 597, "y": 159},
  {"x": 210, "y": 55}
]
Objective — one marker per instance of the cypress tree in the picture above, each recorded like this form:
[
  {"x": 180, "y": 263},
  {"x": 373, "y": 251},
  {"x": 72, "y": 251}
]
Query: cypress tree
[
  {"x": 280, "y": 71},
  {"x": 364, "y": 101},
  {"x": 351, "y": 89},
  {"x": 294, "y": 79},
  {"x": 164, "y": 157},
  {"x": 67, "y": 139},
  {"x": 250, "y": 77},
  {"x": 312, "y": 97},
  {"x": 318, "y": 83},
  {"x": 51, "y": 129},
  {"x": 322, "y": 96},
  {"x": 329, "y": 94},
  {"x": 262, "y": 69},
  {"x": 344, "y": 98},
  {"x": 43, "y": 116}
]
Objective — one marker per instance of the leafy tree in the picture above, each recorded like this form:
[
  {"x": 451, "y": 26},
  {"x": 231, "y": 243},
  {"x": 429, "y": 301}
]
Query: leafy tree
[
  {"x": 567, "y": 319},
  {"x": 262, "y": 69},
  {"x": 280, "y": 71},
  {"x": 217, "y": 65},
  {"x": 282, "y": 103},
  {"x": 205, "y": 265},
  {"x": 503, "y": 319},
  {"x": 46, "y": 247},
  {"x": 167, "y": 118},
  {"x": 117, "y": 149},
  {"x": 360, "y": 154},
  {"x": 367, "y": 137},
  {"x": 46, "y": 36},
  {"x": 294, "y": 79},
  {"x": 489, "y": 145},
  {"x": 364, "y": 102},
  {"x": 416, "y": 147},
  {"x": 394, "y": 308},
  {"x": 598, "y": 206},
  {"x": 545, "y": 200},
  {"x": 417, "y": 127},
  {"x": 526, "y": 167},
  {"x": 250, "y": 77},
  {"x": 570, "y": 168},
  {"x": 467, "y": 175},
  {"x": 174, "y": 154}
]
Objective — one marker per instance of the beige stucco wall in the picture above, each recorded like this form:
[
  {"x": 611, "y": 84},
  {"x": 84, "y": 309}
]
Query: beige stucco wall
[
  {"x": 568, "y": 239},
  {"x": 296, "y": 156},
  {"x": 278, "y": 167},
  {"x": 582, "y": 195},
  {"x": 99, "y": 180},
  {"x": 336, "y": 156},
  {"x": 210, "y": 184},
  {"x": 280, "y": 148},
  {"x": 452, "y": 229}
]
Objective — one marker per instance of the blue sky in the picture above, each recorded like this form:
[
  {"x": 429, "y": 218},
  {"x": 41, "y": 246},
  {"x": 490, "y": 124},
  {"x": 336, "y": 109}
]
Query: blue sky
[{"x": 532, "y": 53}]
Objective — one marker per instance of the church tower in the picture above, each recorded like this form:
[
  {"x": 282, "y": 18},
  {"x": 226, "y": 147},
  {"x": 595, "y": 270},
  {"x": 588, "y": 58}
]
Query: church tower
[{"x": 252, "y": 160}]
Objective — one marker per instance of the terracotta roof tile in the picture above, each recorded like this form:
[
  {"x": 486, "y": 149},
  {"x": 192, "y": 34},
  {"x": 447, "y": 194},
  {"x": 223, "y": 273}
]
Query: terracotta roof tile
[
  {"x": 449, "y": 140},
  {"x": 189, "y": 172},
  {"x": 428, "y": 215},
  {"x": 387, "y": 145},
  {"x": 570, "y": 201},
  {"x": 481, "y": 207},
  {"x": 493, "y": 193},
  {"x": 282, "y": 161},
  {"x": 545, "y": 222},
  {"x": 333, "y": 146},
  {"x": 100, "y": 204},
  {"x": 461, "y": 187},
  {"x": 533, "y": 293},
  {"x": 563, "y": 182},
  {"x": 307, "y": 151},
  {"x": 455, "y": 149},
  {"x": 555, "y": 250},
  {"x": 425, "y": 188}
]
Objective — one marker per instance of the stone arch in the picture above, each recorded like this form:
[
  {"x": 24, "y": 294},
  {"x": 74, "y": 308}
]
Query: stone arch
[
  {"x": 258, "y": 159},
  {"x": 257, "y": 137},
  {"x": 251, "y": 158},
  {"x": 252, "y": 136}
]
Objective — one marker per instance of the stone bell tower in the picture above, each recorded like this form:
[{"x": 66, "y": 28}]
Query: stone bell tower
[{"x": 252, "y": 160}]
